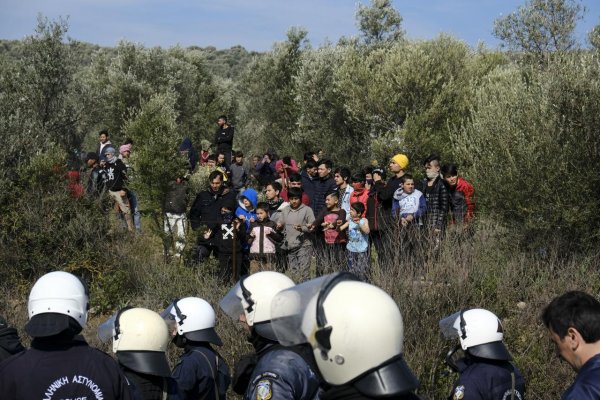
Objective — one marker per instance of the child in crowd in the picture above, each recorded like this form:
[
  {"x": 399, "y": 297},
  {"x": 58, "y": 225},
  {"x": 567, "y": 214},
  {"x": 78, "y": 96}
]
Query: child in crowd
[
  {"x": 223, "y": 165},
  {"x": 358, "y": 240},
  {"x": 360, "y": 193},
  {"x": 262, "y": 239},
  {"x": 205, "y": 151},
  {"x": 231, "y": 240},
  {"x": 296, "y": 223},
  {"x": 246, "y": 211},
  {"x": 408, "y": 208},
  {"x": 330, "y": 219},
  {"x": 409, "y": 203}
]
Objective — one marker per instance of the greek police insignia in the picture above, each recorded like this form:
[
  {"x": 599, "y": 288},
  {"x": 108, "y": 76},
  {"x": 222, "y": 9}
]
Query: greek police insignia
[
  {"x": 459, "y": 393},
  {"x": 264, "y": 391}
]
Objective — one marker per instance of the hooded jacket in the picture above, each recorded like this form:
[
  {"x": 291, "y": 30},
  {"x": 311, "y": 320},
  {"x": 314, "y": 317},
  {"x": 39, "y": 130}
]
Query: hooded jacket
[{"x": 252, "y": 196}]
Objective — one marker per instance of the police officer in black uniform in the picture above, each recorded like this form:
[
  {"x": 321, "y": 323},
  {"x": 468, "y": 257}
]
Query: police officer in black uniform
[
  {"x": 201, "y": 372},
  {"x": 273, "y": 371},
  {"x": 481, "y": 358},
  {"x": 60, "y": 364},
  {"x": 140, "y": 337},
  {"x": 356, "y": 335}
]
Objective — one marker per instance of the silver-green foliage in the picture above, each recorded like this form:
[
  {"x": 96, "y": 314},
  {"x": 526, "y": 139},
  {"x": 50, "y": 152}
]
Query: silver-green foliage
[
  {"x": 38, "y": 106},
  {"x": 156, "y": 162},
  {"x": 530, "y": 145},
  {"x": 540, "y": 26},
  {"x": 379, "y": 23},
  {"x": 267, "y": 95},
  {"x": 121, "y": 84}
]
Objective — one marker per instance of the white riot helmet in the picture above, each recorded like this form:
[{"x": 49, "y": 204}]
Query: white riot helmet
[
  {"x": 194, "y": 318},
  {"x": 139, "y": 338},
  {"x": 55, "y": 299},
  {"x": 252, "y": 297},
  {"x": 479, "y": 331},
  {"x": 355, "y": 330}
]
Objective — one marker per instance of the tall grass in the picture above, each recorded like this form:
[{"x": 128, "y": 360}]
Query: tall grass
[{"x": 481, "y": 270}]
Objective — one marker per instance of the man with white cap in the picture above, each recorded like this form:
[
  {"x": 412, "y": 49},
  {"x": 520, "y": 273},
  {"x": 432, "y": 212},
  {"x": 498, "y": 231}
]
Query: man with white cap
[
  {"x": 481, "y": 358},
  {"x": 60, "y": 364},
  {"x": 273, "y": 372},
  {"x": 356, "y": 334},
  {"x": 201, "y": 373},
  {"x": 139, "y": 338}
]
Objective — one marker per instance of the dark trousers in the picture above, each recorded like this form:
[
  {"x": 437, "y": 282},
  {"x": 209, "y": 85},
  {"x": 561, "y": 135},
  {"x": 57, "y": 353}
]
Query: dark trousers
[{"x": 230, "y": 266}]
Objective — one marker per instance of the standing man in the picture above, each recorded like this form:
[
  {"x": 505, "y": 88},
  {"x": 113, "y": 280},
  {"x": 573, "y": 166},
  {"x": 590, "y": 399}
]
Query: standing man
[
  {"x": 397, "y": 166},
  {"x": 342, "y": 180},
  {"x": 224, "y": 138},
  {"x": 309, "y": 176},
  {"x": 206, "y": 212},
  {"x": 323, "y": 185},
  {"x": 103, "y": 139},
  {"x": 573, "y": 321},
  {"x": 383, "y": 235},
  {"x": 437, "y": 199},
  {"x": 115, "y": 183}
]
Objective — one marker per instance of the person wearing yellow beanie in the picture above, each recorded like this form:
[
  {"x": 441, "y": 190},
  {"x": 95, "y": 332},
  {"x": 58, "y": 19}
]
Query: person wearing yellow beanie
[
  {"x": 385, "y": 194},
  {"x": 401, "y": 160}
]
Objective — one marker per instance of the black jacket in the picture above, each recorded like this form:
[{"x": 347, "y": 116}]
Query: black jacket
[
  {"x": 224, "y": 138},
  {"x": 438, "y": 200},
  {"x": 176, "y": 199},
  {"x": 206, "y": 209},
  {"x": 66, "y": 368},
  {"x": 115, "y": 175},
  {"x": 9, "y": 343},
  {"x": 322, "y": 187}
]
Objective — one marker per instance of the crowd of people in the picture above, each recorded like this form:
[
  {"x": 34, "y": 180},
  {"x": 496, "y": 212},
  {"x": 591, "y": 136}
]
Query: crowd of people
[
  {"x": 278, "y": 214},
  {"x": 331, "y": 337}
]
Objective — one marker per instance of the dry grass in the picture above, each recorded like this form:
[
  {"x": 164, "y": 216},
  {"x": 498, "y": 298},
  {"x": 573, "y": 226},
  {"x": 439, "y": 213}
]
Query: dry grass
[{"x": 484, "y": 270}]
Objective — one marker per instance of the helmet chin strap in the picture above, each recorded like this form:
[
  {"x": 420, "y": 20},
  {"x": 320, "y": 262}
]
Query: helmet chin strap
[
  {"x": 179, "y": 341},
  {"x": 452, "y": 357}
]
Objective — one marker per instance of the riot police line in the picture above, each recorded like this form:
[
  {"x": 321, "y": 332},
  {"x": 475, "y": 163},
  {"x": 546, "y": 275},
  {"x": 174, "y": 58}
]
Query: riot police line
[{"x": 333, "y": 337}]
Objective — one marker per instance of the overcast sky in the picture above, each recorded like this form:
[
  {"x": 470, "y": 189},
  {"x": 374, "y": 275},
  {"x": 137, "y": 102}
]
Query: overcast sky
[{"x": 255, "y": 24}]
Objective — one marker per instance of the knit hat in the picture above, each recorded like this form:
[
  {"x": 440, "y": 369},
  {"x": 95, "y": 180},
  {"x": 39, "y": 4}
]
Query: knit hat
[
  {"x": 380, "y": 171},
  {"x": 108, "y": 149},
  {"x": 401, "y": 160},
  {"x": 124, "y": 148}
]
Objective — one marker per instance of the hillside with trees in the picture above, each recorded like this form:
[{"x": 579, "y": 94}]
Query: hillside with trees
[{"x": 522, "y": 122}]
